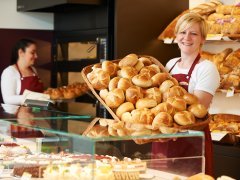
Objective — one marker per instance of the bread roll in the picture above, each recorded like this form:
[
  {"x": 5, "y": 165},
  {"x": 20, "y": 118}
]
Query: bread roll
[
  {"x": 167, "y": 84},
  {"x": 96, "y": 66},
  {"x": 233, "y": 59},
  {"x": 141, "y": 133},
  {"x": 178, "y": 103},
  {"x": 110, "y": 67},
  {"x": 151, "y": 70},
  {"x": 103, "y": 93},
  {"x": 129, "y": 60},
  {"x": 113, "y": 83},
  {"x": 146, "y": 61},
  {"x": 56, "y": 94},
  {"x": 112, "y": 131},
  {"x": 68, "y": 94},
  {"x": 142, "y": 80},
  {"x": 125, "y": 107},
  {"x": 201, "y": 176},
  {"x": 224, "y": 9},
  {"x": 122, "y": 132},
  {"x": 133, "y": 94},
  {"x": 190, "y": 98},
  {"x": 224, "y": 69},
  {"x": 162, "y": 119},
  {"x": 206, "y": 8},
  {"x": 168, "y": 130},
  {"x": 184, "y": 118},
  {"x": 139, "y": 66},
  {"x": 98, "y": 131},
  {"x": 215, "y": 17},
  {"x": 146, "y": 103},
  {"x": 134, "y": 127},
  {"x": 142, "y": 116},
  {"x": 99, "y": 79},
  {"x": 158, "y": 78},
  {"x": 175, "y": 91},
  {"x": 163, "y": 107},
  {"x": 115, "y": 98},
  {"x": 127, "y": 117},
  {"x": 127, "y": 72},
  {"x": 198, "y": 110},
  {"x": 124, "y": 83},
  {"x": 154, "y": 93}
]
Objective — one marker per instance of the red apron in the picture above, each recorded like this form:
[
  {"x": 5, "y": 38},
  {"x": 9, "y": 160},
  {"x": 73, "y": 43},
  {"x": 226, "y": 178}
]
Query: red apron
[
  {"x": 181, "y": 145},
  {"x": 32, "y": 83}
]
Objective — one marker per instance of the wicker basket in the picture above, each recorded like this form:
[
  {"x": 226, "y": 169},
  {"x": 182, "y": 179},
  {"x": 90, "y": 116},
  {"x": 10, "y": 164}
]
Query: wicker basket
[
  {"x": 88, "y": 69},
  {"x": 199, "y": 125}
]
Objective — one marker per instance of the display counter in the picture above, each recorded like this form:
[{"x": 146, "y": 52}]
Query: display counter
[{"x": 41, "y": 144}]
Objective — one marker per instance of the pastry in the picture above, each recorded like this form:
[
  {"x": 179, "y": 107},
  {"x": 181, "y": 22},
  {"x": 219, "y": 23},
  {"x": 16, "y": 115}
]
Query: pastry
[
  {"x": 133, "y": 94},
  {"x": 198, "y": 110},
  {"x": 125, "y": 107},
  {"x": 146, "y": 103},
  {"x": 154, "y": 93},
  {"x": 178, "y": 103},
  {"x": 129, "y": 60},
  {"x": 158, "y": 78},
  {"x": 99, "y": 79},
  {"x": 142, "y": 80},
  {"x": 163, "y": 107},
  {"x": 184, "y": 118},
  {"x": 115, "y": 98},
  {"x": 109, "y": 67},
  {"x": 162, "y": 119}
]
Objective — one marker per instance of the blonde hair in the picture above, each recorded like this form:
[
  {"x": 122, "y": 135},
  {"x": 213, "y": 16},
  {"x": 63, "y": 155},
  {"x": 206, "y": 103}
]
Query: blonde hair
[{"x": 188, "y": 19}]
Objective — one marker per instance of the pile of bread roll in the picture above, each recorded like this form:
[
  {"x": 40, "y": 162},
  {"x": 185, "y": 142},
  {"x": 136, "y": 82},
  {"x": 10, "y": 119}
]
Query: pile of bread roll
[
  {"x": 228, "y": 64},
  {"x": 225, "y": 122},
  {"x": 67, "y": 92},
  {"x": 222, "y": 19},
  {"x": 143, "y": 96}
]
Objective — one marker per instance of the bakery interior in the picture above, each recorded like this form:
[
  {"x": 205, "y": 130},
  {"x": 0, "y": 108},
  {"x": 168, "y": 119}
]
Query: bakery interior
[{"x": 80, "y": 135}]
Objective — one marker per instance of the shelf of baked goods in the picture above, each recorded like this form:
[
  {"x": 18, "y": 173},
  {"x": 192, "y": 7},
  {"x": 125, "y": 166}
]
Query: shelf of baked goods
[
  {"x": 228, "y": 64},
  {"x": 223, "y": 22},
  {"x": 68, "y": 92}
]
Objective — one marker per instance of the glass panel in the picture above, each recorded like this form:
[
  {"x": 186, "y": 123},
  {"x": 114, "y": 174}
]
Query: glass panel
[{"x": 45, "y": 145}]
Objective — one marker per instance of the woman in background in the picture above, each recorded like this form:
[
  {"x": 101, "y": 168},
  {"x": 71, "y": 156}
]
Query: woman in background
[
  {"x": 198, "y": 76},
  {"x": 21, "y": 74}
]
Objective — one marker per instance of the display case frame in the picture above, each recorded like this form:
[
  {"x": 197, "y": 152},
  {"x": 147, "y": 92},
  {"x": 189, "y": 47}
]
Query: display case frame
[{"x": 157, "y": 164}]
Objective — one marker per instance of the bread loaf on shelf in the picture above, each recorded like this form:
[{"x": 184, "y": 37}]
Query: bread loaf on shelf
[
  {"x": 228, "y": 64},
  {"x": 222, "y": 19}
]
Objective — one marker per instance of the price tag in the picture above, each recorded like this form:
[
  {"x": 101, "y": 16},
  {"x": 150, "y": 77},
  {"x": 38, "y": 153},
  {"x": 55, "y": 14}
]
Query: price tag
[
  {"x": 230, "y": 92},
  {"x": 217, "y": 136},
  {"x": 214, "y": 36},
  {"x": 26, "y": 176},
  {"x": 168, "y": 40}
]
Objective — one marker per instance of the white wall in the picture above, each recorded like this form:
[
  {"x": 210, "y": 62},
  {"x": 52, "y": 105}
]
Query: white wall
[{"x": 11, "y": 19}]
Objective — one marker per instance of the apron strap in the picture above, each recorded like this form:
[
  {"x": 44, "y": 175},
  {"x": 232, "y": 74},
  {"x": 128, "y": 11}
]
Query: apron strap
[
  {"x": 191, "y": 68},
  {"x": 174, "y": 65},
  {"x": 193, "y": 65},
  {"x": 21, "y": 73},
  {"x": 19, "y": 70}
]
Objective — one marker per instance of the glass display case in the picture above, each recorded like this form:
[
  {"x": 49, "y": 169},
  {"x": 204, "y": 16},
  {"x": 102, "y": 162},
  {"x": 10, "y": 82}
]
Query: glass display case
[{"x": 44, "y": 144}]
